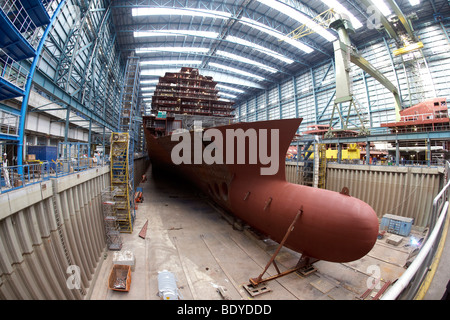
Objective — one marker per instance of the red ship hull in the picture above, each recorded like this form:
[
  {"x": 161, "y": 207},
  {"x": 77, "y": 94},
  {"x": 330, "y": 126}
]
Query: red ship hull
[{"x": 332, "y": 226}]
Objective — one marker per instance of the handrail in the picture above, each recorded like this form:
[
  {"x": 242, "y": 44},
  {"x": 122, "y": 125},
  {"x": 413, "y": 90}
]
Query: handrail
[
  {"x": 437, "y": 203},
  {"x": 11, "y": 179},
  {"x": 16, "y": 177},
  {"x": 412, "y": 270},
  {"x": 417, "y": 270}
]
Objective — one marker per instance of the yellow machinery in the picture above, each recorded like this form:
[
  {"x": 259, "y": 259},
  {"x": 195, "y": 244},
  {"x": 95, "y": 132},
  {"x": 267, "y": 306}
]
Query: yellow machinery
[
  {"x": 408, "y": 48},
  {"x": 352, "y": 152},
  {"x": 120, "y": 180}
]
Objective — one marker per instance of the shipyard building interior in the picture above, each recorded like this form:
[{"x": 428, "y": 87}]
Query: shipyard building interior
[{"x": 95, "y": 96}]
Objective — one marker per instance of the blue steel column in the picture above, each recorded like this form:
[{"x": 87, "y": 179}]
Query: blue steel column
[{"x": 23, "y": 110}]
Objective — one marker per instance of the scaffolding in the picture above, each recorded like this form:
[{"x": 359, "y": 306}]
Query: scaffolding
[
  {"x": 130, "y": 95},
  {"x": 122, "y": 147},
  {"x": 120, "y": 180},
  {"x": 110, "y": 219}
]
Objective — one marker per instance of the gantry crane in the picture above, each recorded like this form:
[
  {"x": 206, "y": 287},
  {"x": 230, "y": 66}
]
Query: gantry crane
[{"x": 399, "y": 29}]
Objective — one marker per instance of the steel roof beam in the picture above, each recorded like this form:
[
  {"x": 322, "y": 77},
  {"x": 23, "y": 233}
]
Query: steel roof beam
[
  {"x": 384, "y": 21},
  {"x": 403, "y": 19}
]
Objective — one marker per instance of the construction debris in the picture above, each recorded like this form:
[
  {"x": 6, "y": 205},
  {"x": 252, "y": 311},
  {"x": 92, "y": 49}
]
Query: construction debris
[{"x": 143, "y": 232}]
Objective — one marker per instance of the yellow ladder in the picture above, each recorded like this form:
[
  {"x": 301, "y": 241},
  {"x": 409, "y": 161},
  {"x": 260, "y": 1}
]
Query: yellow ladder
[{"x": 120, "y": 177}]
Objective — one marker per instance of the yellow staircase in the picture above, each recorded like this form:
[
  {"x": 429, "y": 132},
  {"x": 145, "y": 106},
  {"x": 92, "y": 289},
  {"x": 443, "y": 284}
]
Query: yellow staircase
[{"x": 120, "y": 180}]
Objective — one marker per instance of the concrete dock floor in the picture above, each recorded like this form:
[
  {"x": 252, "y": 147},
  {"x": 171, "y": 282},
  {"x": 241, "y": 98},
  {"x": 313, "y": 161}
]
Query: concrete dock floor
[{"x": 191, "y": 239}]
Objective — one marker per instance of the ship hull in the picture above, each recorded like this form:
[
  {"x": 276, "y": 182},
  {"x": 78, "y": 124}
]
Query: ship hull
[{"x": 331, "y": 226}]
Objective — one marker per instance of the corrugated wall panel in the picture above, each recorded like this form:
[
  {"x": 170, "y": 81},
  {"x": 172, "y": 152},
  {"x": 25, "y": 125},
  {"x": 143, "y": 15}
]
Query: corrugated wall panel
[
  {"x": 403, "y": 191},
  {"x": 33, "y": 261}
]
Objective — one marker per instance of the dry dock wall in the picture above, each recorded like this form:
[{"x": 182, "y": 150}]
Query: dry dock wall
[
  {"x": 407, "y": 191},
  {"x": 44, "y": 251}
]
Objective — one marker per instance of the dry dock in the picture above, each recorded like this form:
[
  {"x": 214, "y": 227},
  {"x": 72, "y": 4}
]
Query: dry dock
[{"x": 212, "y": 260}]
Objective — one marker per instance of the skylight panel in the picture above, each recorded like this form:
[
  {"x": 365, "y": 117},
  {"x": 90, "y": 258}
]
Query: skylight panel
[
  {"x": 157, "y": 72},
  {"x": 157, "y": 33},
  {"x": 384, "y": 9},
  {"x": 171, "y": 62},
  {"x": 272, "y": 32},
  {"x": 227, "y": 95},
  {"x": 262, "y": 49},
  {"x": 245, "y": 60},
  {"x": 338, "y": 7},
  {"x": 209, "y": 13},
  {"x": 180, "y": 12},
  {"x": 149, "y": 81},
  {"x": 229, "y": 88},
  {"x": 300, "y": 17},
  {"x": 238, "y": 71},
  {"x": 219, "y": 76},
  {"x": 173, "y": 49},
  {"x": 148, "y": 88}
]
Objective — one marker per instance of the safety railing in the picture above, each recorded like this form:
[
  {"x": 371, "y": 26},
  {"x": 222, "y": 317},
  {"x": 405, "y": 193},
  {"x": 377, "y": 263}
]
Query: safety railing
[
  {"x": 402, "y": 163},
  {"x": 12, "y": 71},
  {"x": 9, "y": 123},
  {"x": 417, "y": 117},
  {"x": 407, "y": 286},
  {"x": 11, "y": 179},
  {"x": 377, "y": 131},
  {"x": 66, "y": 167},
  {"x": 19, "y": 17}
]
